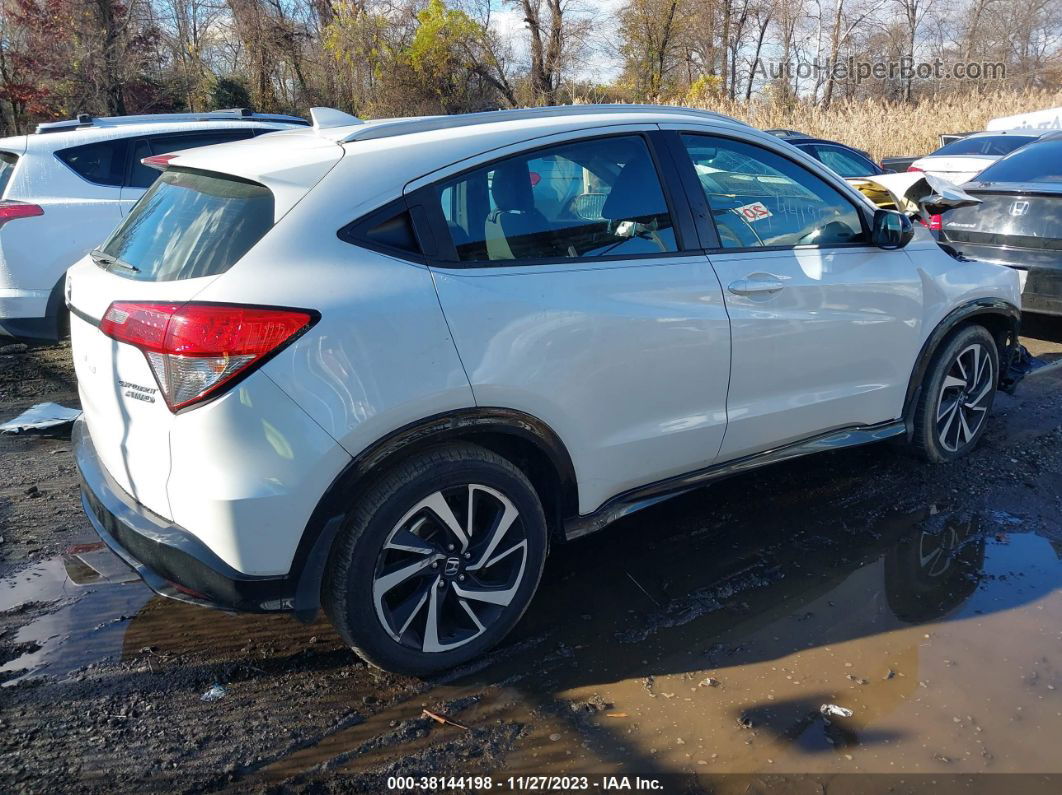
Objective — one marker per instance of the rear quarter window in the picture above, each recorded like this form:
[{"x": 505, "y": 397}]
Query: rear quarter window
[
  {"x": 101, "y": 163},
  {"x": 8, "y": 161},
  {"x": 190, "y": 224}
]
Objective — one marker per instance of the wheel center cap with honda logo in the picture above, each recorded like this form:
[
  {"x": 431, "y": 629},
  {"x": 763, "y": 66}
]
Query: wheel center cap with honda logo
[{"x": 452, "y": 566}]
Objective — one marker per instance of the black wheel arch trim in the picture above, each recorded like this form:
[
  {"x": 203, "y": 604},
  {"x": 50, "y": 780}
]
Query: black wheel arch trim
[
  {"x": 979, "y": 307},
  {"x": 311, "y": 556}
]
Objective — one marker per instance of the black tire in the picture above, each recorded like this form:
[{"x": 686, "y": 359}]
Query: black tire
[
  {"x": 58, "y": 323},
  {"x": 465, "y": 477},
  {"x": 943, "y": 437}
]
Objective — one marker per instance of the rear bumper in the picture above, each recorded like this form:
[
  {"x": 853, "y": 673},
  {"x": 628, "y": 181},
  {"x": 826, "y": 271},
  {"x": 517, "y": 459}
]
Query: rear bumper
[
  {"x": 1043, "y": 292},
  {"x": 29, "y": 328},
  {"x": 27, "y": 314},
  {"x": 170, "y": 560}
]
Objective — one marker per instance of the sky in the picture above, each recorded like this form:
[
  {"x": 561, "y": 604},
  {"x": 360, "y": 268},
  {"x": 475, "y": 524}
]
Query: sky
[{"x": 601, "y": 66}]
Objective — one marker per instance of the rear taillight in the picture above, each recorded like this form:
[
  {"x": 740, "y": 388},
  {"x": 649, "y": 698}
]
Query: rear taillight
[
  {"x": 915, "y": 168},
  {"x": 196, "y": 349},
  {"x": 936, "y": 223},
  {"x": 159, "y": 162},
  {"x": 11, "y": 210}
]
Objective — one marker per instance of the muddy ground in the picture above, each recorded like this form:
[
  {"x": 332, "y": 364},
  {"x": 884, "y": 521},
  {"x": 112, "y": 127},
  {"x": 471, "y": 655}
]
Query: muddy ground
[{"x": 691, "y": 643}]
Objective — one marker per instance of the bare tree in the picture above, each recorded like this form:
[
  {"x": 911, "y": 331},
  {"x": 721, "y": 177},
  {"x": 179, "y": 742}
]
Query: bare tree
[
  {"x": 914, "y": 11},
  {"x": 556, "y": 38}
]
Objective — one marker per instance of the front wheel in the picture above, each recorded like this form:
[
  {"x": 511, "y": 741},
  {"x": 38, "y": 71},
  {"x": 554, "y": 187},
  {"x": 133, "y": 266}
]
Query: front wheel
[
  {"x": 957, "y": 394},
  {"x": 437, "y": 561}
]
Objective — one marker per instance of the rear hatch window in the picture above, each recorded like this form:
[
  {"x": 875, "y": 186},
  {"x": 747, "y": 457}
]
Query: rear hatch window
[
  {"x": 189, "y": 224},
  {"x": 1041, "y": 162},
  {"x": 8, "y": 160},
  {"x": 986, "y": 145}
]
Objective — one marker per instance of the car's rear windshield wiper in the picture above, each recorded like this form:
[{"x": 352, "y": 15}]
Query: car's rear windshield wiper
[{"x": 107, "y": 260}]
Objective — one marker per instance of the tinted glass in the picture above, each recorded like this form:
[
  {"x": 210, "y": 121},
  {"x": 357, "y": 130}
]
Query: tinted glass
[
  {"x": 759, "y": 198},
  {"x": 141, "y": 176},
  {"x": 586, "y": 199},
  {"x": 1040, "y": 162},
  {"x": 102, "y": 163},
  {"x": 985, "y": 145},
  {"x": 7, "y": 166},
  {"x": 191, "y": 224},
  {"x": 396, "y": 232},
  {"x": 844, "y": 162},
  {"x": 164, "y": 144}
]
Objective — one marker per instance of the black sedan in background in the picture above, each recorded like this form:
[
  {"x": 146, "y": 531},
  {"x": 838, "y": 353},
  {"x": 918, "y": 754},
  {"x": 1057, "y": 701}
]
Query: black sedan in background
[
  {"x": 1019, "y": 220},
  {"x": 845, "y": 160}
]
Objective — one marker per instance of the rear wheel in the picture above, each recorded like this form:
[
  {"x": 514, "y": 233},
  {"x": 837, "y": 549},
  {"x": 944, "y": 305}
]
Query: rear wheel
[
  {"x": 437, "y": 561},
  {"x": 957, "y": 394}
]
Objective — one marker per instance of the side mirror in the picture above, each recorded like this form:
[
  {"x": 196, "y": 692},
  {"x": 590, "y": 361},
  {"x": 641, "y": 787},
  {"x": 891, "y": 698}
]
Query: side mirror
[{"x": 891, "y": 230}]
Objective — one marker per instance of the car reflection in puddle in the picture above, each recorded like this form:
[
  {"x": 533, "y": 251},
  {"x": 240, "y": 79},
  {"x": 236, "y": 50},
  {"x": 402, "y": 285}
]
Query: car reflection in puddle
[
  {"x": 667, "y": 646},
  {"x": 716, "y": 648}
]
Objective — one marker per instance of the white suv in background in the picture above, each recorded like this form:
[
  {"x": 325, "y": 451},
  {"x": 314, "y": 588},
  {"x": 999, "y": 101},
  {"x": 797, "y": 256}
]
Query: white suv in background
[
  {"x": 63, "y": 189},
  {"x": 379, "y": 367}
]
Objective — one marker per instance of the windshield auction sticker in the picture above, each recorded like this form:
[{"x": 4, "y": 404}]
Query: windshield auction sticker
[{"x": 753, "y": 212}]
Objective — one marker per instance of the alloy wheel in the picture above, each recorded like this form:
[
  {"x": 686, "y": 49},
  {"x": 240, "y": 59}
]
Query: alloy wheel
[
  {"x": 450, "y": 567},
  {"x": 964, "y": 397}
]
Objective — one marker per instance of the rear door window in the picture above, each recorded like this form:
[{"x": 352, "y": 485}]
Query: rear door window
[
  {"x": 101, "y": 163},
  {"x": 592, "y": 198},
  {"x": 8, "y": 161},
  {"x": 845, "y": 163},
  {"x": 759, "y": 198},
  {"x": 141, "y": 176},
  {"x": 189, "y": 224}
]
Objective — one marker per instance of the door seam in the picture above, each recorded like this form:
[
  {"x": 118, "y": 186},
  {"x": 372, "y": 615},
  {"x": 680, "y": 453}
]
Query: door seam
[
  {"x": 453, "y": 339},
  {"x": 729, "y": 359}
]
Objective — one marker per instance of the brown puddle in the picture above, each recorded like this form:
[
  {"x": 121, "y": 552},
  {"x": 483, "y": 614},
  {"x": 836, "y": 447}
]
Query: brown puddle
[
  {"x": 940, "y": 632},
  {"x": 702, "y": 637},
  {"x": 80, "y": 619}
]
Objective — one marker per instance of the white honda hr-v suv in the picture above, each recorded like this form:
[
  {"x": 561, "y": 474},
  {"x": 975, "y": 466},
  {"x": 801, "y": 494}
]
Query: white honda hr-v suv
[{"x": 379, "y": 367}]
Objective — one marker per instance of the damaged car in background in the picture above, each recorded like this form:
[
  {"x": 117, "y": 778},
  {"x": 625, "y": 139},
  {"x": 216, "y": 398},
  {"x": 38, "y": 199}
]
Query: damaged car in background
[
  {"x": 921, "y": 196},
  {"x": 1017, "y": 221}
]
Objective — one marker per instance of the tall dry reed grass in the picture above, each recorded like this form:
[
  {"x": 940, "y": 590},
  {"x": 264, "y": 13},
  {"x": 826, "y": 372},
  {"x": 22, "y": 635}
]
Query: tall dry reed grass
[{"x": 889, "y": 128}]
